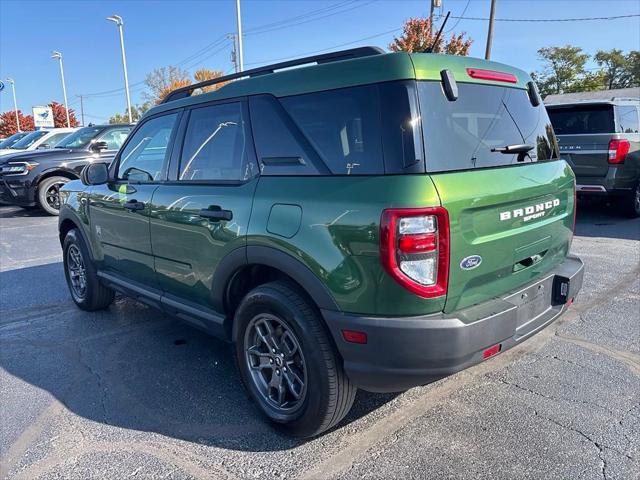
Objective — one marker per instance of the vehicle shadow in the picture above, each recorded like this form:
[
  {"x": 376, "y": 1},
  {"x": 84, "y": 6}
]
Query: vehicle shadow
[
  {"x": 10, "y": 211},
  {"x": 135, "y": 368},
  {"x": 599, "y": 218}
]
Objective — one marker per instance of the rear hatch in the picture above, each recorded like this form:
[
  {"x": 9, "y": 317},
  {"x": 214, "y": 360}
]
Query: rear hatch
[
  {"x": 511, "y": 214},
  {"x": 583, "y": 133}
]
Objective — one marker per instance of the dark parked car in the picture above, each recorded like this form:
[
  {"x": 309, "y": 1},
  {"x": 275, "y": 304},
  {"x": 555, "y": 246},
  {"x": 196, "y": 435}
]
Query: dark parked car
[
  {"x": 34, "y": 178},
  {"x": 600, "y": 139}
]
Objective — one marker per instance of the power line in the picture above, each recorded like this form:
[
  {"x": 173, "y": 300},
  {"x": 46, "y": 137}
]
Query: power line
[{"x": 583, "y": 19}]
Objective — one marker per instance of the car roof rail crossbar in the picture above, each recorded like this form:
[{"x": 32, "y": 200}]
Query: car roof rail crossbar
[{"x": 187, "y": 91}]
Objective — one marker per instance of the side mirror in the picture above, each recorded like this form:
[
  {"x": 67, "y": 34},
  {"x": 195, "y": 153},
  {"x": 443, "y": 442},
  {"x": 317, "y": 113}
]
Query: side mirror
[
  {"x": 99, "y": 146},
  {"x": 95, "y": 174},
  {"x": 43, "y": 146}
]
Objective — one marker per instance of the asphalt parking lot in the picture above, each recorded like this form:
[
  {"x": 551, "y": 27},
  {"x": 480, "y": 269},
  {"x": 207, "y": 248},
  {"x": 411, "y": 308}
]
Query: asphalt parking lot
[{"x": 130, "y": 392}]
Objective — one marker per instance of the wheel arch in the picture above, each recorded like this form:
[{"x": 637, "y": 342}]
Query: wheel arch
[{"x": 242, "y": 270}]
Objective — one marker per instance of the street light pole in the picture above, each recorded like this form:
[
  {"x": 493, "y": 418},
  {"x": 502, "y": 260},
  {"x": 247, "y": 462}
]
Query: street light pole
[
  {"x": 487, "y": 54},
  {"x": 240, "y": 52},
  {"x": 117, "y": 19},
  {"x": 81, "y": 108},
  {"x": 15, "y": 104},
  {"x": 58, "y": 56}
]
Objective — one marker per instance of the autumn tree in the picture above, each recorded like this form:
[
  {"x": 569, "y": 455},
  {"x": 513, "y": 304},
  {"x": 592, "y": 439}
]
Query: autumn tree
[
  {"x": 163, "y": 81},
  {"x": 8, "y": 125},
  {"x": 160, "y": 81},
  {"x": 60, "y": 116},
  {"x": 419, "y": 35}
]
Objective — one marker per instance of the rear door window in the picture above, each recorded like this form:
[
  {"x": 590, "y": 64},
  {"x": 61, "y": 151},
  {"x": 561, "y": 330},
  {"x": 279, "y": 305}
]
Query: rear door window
[
  {"x": 216, "y": 145},
  {"x": 627, "y": 119},
  {"x": 343, "y": 126},
  {"x": 467, "y": 133},
  {"x": 582, "y": 119}
]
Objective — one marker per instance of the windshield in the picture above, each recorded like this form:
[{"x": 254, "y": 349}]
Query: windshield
[
  {"x": 576, "y": 119},
  {"x": 28, "y": 140},
  {"x": 8, "y": 142},
  {"x": 81, "y": 138},
  {"x": 474, "y": 130}
]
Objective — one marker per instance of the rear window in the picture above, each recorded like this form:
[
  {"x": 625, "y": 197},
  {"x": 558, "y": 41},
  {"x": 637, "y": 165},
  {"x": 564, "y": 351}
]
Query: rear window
[
  {"x": 29, "y": 140},
  {"x": 577, "y": 119},
  {"x": 461, "y": 134}
]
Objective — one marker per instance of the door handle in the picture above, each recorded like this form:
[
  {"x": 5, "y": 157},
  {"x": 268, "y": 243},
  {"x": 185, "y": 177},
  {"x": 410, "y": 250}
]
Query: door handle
[
  {"x": 215, "y": 213},
  {"x": 133, "y": 205}
]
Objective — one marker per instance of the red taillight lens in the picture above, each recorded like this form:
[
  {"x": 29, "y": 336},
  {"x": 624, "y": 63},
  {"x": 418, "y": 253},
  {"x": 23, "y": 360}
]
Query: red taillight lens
[
  {"x": 618, "y": 150},
  {"x": 491, "y": 75},
  {"x": 414, "y": 248},
  {"x": 491, "y": 351}
]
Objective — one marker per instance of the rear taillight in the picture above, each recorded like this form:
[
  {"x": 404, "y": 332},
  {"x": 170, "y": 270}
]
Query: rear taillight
[
  {"x": 414, "y": 248},
  {"x": 618, "y": 150}
]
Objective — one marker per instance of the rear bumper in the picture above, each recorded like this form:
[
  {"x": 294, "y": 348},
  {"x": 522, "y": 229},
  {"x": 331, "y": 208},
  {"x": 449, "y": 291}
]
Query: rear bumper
[
  {"x": 617, "y": 181},
  {"x": 17, "y": 192},
  {"x": 401, "y": 353}
]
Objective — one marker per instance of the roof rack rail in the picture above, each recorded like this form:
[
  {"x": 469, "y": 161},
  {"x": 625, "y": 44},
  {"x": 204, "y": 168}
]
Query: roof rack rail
[
  {"x": 630, "y": 99},
  {"x": 185, "y": 92}
]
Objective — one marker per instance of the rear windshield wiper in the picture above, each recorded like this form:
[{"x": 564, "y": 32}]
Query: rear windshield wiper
[{"x": 521, "y": 148}]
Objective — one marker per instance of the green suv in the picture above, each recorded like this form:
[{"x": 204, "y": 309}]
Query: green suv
[{"x": 373, "y": 221}]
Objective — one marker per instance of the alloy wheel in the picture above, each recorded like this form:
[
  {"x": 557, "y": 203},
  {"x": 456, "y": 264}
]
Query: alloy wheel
[
  {"x": 275, "y": 362},
  {"x": 77, "y": 272},
  {"x": 52, "y": 195}
]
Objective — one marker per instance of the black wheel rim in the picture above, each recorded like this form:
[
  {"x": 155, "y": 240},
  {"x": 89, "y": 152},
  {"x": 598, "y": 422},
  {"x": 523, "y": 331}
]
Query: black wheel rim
[
  {"x": 275, "y": 363},
  {"x": 52, "y": 195},
  {"x": 77, "y": 273},
  {"x": 636, "y": 199}
]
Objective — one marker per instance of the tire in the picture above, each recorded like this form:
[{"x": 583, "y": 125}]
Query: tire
[
  {"x": 327, "y": 394},
  {"x": 48, "y": 197},
  {"x": 631, "y": 203},
  {"x": 94, "y": 295}
]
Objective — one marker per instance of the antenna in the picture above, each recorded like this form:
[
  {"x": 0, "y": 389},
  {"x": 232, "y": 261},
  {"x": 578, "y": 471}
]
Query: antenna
[{"x": 435, "y": 41}]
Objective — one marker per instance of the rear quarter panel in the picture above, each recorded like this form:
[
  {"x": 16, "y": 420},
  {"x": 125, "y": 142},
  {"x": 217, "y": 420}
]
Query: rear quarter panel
[{"x": 337, "y": 234}]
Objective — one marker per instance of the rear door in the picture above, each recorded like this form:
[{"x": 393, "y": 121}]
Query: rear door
[
  {"x": 583, "y": 133},
  {"x": 511, "y": 214},
  {"x": 201, "y": 214},
  {"x": 119, "y": 210}
]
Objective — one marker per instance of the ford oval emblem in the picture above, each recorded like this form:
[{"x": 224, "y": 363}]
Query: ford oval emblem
[{"x": 471, "y": 262}]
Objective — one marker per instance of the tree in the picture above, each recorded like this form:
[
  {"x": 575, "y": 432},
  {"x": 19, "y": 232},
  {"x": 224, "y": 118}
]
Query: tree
[
  {"x": 563, "y": 67},
  {"x": 634, "y": 67},
  {"x": 418, "y": 35},
  {"x": 618, "y": 68},
  {"x": 161, "y": 79},
  {"x": 8, "y": 125},
  {"x": 136, "y": 113},
  {"x": 60, "y": 116}
]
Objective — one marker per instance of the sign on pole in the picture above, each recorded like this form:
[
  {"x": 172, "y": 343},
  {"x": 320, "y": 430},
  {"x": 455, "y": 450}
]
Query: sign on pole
[{"x": 43, "y": 117}]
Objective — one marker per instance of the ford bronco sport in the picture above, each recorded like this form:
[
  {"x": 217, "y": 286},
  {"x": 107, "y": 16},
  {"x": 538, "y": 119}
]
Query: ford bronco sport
[
  {"x": 372, "y": 221},
  {"x": 600, "y": 138}
]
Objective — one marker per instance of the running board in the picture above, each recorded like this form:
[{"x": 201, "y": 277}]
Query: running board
[{"x": 196, "y": 315}]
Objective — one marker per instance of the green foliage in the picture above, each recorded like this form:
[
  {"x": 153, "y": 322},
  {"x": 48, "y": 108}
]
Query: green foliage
[
  {"x": 565, "y": 71},
  {"x": 136, "y": 112}
]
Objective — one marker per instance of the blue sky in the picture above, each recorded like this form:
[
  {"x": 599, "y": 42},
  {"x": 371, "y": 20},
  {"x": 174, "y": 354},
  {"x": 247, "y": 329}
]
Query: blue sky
[{"x": 187, "y": 33}]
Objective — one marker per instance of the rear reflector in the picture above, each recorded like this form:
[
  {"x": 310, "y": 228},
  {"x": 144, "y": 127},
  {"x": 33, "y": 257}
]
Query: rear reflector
[
  {"x": 492, "y": 75},
  {"x": 352, "y": 336},
  {"x": 491, "y": 351}
]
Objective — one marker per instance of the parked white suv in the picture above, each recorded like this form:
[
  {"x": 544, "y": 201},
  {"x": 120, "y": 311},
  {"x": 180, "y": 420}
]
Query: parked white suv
[{"x": 38, "y": 139}]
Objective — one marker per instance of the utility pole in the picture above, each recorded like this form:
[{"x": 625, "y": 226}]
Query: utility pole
[
  {"x": 487, "y": 54},
  {"x": 58, "y": 56},
  {"x": 434, "y": 4},
  {"x": 240, "y": 53},
  {"x": 15, "y": 104},
  {"x": 117, "y": 19},
  {"x": 234, "y": 52},
  {"x": 81, "y": 108}
]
